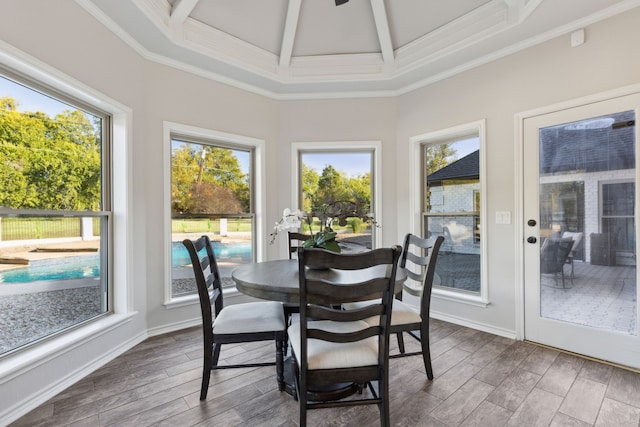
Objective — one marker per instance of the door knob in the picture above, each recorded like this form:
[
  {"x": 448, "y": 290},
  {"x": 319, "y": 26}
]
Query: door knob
[
  {"x": 531, "y": 223},
  {"x": 531, "y": 239}
]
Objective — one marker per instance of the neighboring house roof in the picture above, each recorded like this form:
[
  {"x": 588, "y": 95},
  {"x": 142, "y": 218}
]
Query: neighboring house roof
[
  {"x": 577, "y": 147},
  {"x": 465, "y": 168}
]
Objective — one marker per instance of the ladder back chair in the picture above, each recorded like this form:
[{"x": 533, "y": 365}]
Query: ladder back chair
[
  {"x": 295, "y": 241},
  {"x": 239, "y": 323},
  {"x": 419, "y": 257},
  {"x": 332, "y": 345}
]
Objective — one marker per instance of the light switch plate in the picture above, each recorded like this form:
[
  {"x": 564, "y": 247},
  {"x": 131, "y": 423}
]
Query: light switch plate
[{"x": 503, "y": 217}]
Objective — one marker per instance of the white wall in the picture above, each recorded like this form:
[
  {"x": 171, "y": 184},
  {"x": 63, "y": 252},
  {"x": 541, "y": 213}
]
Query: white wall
[
  {"x": 64, "y": 36},
  {"x": 543, "y": 75},
  {"x": 371, "y": 119}
]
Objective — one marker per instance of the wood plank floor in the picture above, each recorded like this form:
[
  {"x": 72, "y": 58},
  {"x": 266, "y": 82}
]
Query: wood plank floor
[{"x": 481, "y": 380}]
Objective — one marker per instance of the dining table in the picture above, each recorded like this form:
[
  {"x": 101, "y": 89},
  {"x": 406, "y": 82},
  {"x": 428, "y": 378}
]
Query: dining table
[{"x": 279, "y": 280}]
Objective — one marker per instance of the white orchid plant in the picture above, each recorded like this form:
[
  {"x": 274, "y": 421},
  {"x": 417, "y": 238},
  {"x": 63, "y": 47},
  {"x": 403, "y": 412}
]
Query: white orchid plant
[{"x": 326, "y": 213}]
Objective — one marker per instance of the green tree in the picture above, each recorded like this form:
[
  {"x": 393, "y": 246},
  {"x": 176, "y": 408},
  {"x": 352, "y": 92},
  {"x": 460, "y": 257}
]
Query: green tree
[
  {"x": 48, "y": 163},
  {"x": 438, "y": 156},
  {"x": 310, "y": 180},
  {"x": 332, "y": 186},
  {"x": 207, "y": 179}
]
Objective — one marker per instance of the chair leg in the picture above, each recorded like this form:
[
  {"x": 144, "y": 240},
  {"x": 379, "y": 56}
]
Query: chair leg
[
  {"x": 206, "y": 373},
  {"x": 281, "y": 345},
  {"x": 400, "y": 342},
  {"x": 385, "y": 418},
  {"x": 216, "y": 354},
  {"x": 426, "y": 354}
]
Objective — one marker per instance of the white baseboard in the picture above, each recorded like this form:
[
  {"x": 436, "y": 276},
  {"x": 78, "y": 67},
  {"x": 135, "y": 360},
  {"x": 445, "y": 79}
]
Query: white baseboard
[
  {"x": 473, "y": 325},
  {"x": 49, "y": 391},
  {"x": 164, "y": 329}
]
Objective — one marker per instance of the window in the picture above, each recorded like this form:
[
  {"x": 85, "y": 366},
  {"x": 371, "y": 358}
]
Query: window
[
  {"x": 451, "y": 197},
  {"x": 55, "y": 212},
  {"x": 212, "y": 192},
  {"x": 340, "y": 177}
]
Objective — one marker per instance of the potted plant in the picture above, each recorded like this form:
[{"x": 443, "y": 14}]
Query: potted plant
[{"x": 328, "y": 213}]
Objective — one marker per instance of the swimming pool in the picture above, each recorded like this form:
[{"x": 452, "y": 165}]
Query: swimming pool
[{"x": 88, "y": 266}]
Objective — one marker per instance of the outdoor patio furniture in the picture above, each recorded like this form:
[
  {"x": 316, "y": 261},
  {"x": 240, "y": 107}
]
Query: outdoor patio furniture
[{"x": 554, "y": 254}]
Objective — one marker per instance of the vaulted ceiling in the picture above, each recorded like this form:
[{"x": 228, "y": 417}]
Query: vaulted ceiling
[{"x": 315, "y": 48}]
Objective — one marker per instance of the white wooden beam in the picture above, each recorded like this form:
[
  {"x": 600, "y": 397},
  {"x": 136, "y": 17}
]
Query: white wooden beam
[
  {"x": 382, "y": 26},
  {"x": 289, "y": 33},
  {"x": 180, "y": 12}
]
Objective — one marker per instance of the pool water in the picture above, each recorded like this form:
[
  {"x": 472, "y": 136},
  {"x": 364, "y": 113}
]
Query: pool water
[{"x": 88, "y": 266}]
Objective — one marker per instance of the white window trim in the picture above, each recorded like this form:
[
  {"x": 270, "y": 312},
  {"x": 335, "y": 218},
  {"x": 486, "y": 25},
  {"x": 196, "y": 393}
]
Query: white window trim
[
  {"x": 122, "y": 310},
  {"x": 258, "y": 193},
  {"x": 415, "y": 201},
  {"x": 347, "y": 146}
]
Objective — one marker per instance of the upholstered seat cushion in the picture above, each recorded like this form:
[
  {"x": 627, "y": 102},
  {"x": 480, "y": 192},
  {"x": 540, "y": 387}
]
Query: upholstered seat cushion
[
  {"x": 401, "y": 313},
  {"x": 250, "y": 317},
  {"x": 328, "y": 355}
]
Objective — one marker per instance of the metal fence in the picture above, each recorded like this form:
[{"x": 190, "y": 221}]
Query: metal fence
[{"x": 43, "y": 228}]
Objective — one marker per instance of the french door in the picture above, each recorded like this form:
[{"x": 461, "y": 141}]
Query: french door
[{"x": 580, "y": 231}]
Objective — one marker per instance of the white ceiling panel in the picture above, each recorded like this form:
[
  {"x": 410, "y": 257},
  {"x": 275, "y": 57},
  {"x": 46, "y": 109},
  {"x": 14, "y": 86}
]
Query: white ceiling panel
[{"x": 290, "y": 49}]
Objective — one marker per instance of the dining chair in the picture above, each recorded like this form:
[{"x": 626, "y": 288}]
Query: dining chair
[
  {"x": 295, "y": 241},
  {"x": 238, "y": 323},
  {"x": 419, "y": 258},
  {"x": 331, "y": 345}
]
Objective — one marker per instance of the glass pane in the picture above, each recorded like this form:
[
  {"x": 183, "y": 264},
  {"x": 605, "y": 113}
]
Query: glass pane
[
  {"x": 452, "y": 202},
  {"x": 587, "y": 224},
  {"x": 458, "y": 264},
  {"x": 211, "y": 194},
  {"x": 336, "y": 192},
  {"x": 52, "y": 267},
  {"x": 52, "y": 277},
  {"x": 50, "y": 152}
]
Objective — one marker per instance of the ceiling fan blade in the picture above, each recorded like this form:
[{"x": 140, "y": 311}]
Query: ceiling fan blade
[{"x": 339, "y": 2}]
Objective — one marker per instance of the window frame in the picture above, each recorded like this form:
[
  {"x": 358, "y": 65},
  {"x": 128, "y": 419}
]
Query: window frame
[
  {"x": 205, "y": 136},
  {"x": 116, "y": 169},
  {"x": 375, "y": 147},
  {"x": 416, "y": 203}
]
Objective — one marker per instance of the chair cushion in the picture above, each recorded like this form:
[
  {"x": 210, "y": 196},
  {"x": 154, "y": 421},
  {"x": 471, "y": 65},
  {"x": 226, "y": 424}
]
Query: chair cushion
[
  {"x": 250, "y": 317},
  {"x": 329, "y": 355},
  {"x": 401, "y": 313}
]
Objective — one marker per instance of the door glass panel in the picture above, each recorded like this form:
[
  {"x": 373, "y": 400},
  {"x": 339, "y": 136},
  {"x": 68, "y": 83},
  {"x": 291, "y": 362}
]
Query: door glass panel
[{"x": 587, "y": 226}]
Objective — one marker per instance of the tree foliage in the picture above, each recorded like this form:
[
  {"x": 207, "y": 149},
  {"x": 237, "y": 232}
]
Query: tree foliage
[
  {"x": 48, "y": 163},
  {"x": 207, "y": 179},
  {"x": 438, "y": 156},
  {"x": 333, "y": 186}
]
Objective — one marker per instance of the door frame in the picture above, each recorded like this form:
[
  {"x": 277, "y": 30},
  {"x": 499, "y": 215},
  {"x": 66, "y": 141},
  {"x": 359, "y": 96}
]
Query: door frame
[{"x": 519, "y": 228}]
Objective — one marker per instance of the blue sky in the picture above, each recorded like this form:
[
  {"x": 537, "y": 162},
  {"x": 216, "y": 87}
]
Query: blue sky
[
  {"x": 29, "y": 100},
  {"x": 350, "y": 163}
]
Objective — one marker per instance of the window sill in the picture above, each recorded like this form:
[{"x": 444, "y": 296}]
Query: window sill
[
  {"x": 192, "y": 299},
  {"x": 475, "y": 300},
  {"x": 25, "y": 360}
]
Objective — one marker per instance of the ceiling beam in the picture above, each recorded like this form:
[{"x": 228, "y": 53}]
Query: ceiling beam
[
  {"x": 180, "y": 12},
  {"x": 289, "y": 33},
  {"x": 382, "y": 26}
]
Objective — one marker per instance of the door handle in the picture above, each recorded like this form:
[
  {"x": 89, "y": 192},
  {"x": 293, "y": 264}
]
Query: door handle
[
  {"x": 531, "y": 239},
  {"x": 531, "y": 223}
]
